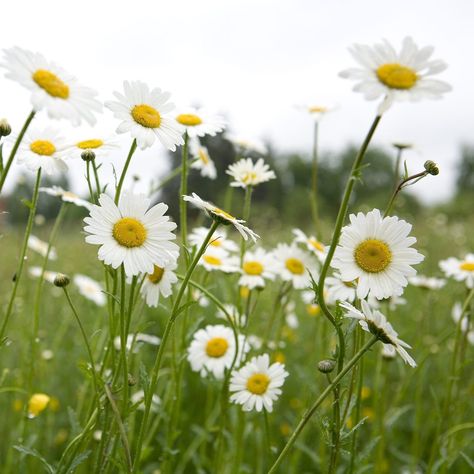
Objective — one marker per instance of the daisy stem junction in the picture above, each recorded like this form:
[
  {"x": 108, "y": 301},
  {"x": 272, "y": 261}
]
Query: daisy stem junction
[{"x": 124, "y": 171}]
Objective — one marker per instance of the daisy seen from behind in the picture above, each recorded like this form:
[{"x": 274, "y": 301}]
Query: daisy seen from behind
[
  {"x": 159, "y": 283},
  {"x": 247, "y": 173},
  {"x": 200, "y": 122},
  {"x": 90, "y": 289},
  {"x": 460, "y": 270},
  {"x": 38, "y": 246}
]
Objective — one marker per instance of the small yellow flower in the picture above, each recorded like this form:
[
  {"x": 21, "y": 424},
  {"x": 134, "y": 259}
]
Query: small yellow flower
[
  {"x": 365, "y": 393},
  {"x": 285, "y": 429},
  {"x": 17, "y": 404},
  {"x": 54, "y": 404},
  {"x": 279, "y": 357},
  {"x": 37, "y": 403},
  {"x": 295, "y": 403},
  {"x": 61, "y": 436},
  {"x": 313, "y": 309},
  {"x": 244, "y": 292},
  {"x": 368, "y": 413}
]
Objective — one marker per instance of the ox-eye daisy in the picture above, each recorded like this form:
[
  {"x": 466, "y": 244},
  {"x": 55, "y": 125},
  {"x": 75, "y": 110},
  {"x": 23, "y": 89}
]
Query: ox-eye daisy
[
  {"x": 135, "y": 341},
  {"x": 397, "y": 76},
  {"x": 132, "y": 234},
  {"x": 200, "y": 122},
  {"x": 247, "y": 173},
  {"x": 257, "y": 384},
  {"x": 428, "y": 283},
  {"x": 221, "y": 216},
  {"x": 159, "y": 283},
  {"x": 295, "y": 265},
  {"x": 43, "y": 148},
  {"x": 460, "y": 270},
  {"x": 143, "y": 113},
  {"x": 203, "y": 161},
  {"x": 101, "y": 146},
  {"x": 90, "y": 289},
  {"x": 219, "y": 259},
  {"x": 377, "y": 252},
  {"x": 340, "y": 290},
  {"x": 257, "y": 267},
  {"x": 244, "y": 145},
  {"x": 219, "y": 239},
  {"x": 312, "y": 243},
  {"x": 212, "y": 350},
  {"x": 375, "y": 322},
  {"x": 37, "y": 245},
  {"x": 66, "y": 196},
  {"x": 52, "y": 88}
]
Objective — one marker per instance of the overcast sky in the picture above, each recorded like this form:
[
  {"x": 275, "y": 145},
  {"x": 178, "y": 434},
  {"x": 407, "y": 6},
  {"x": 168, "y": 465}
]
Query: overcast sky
[{"x": 253, "y": 60}]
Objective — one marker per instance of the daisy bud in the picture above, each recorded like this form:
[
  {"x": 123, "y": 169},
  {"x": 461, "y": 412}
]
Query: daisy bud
[
  {"x": 5, "y": 128},
  {"x": 326, "y": 366},
  {"x": 431, "y": 167},
  {"x": 61, "y": 280},
  {"x": 88, "y": 155}
]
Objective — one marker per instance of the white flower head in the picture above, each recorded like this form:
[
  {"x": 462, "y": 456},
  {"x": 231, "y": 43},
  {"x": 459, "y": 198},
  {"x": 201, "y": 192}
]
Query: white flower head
[
  {"x": 101, "y": 146},
  {"x": 312, "y": 244},
  {"x": 135, "y": 341},
  {"x": 132, "y": 233},
  {"x": 403, "y": 76},
  {"x": 138, "y": 398},
  {"x": 376, "y": 323},
  {"x": 37, "y": 245},
  {"x": 203, "y": 161},
  {"x": 257, "y": 266},
  {"x": 340, "y": 290},
  {"x": 376, "y": 251},
  {"x": 248, "y": 145},
  {"x": 144, "y": 113},
  {"x": 212, "y": 350},
  {"x": 257, "y": 384},
  {"x": 200, "y": 122},
  {"x": 247, "y": 173},
  {"x": 52, "y": 89},
  {"x": 460, "y": 270},
  {"x": 221, "y": 216},
  {"x": 90, "y": 289},
  {"x": 316, "y": 111},
  {"x": 428, "y": 283},
  {"x": 66, "y": 196},
  {"x": 159, "y": 283},
  {"x": 48, "y": 275},
  {"x": 218, "y": 259},
  {"x": 233, "y": 313},
  {"x": 219, "y": 239}
]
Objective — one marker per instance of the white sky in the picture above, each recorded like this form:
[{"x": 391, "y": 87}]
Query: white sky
[{"x": 253, "y": 61}]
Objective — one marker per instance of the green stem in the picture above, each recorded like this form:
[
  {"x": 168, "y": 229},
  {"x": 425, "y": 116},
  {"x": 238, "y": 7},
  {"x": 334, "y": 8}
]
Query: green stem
[
  {"x": 97, "y": 181},
  {"x": 15, "y": 149},
  {"x": 183, "y": 190},
  {"x": 402, "y": 185},
  {"x": 123, "y": 339},
  {"x": 309, "y": 413},
  {"x": 314, "y": 180},
  {"x": 124, "y": 171},
  {"x": 245, "y": 217}
]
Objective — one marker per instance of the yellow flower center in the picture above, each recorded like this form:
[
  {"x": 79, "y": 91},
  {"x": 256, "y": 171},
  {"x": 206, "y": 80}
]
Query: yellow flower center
[
  {"x": 90, "y": 144},
  {"x": 249, "y": 177},
  {"x": 317, "y": 109},
  {"x": 313, "y": 309},
  {"x": 37, "y": 403},
  {"x": 51, "y": 83},
  {"x": 258, "y": 383},
  {"x": 216, "y": 242},
  {"x": 253, "y": 268},
  {"x": 396, "y": 76},
  {"x": 157, "y": 275},
  {"x": 203, "y": 156},
  {"x": 316, "y": 244},
  {"x": 129, "y": 232},
  {"x": 373, "y": 255},
  {"x": 295, "y": 266},
  {"x": 42, "y": 147},
  {"x": 467, "y": 266},
  {"x": 222, "y": 213},
  {"x": 244, "y": 292},
  {"x": 216, "y": 347},
  {"x": 211, "y": 260},
  {"x": 190, "y": 120},
  {"x": 146, "y": 115}
]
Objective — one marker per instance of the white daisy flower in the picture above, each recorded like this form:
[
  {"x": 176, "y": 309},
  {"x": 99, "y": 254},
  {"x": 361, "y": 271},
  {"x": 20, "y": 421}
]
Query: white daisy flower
[
  {"x": 90, "y": 289},
  {"x": 223, "y": 217},
  {"x": 257, "y": 267},
  {"x": 203, "y": 161},
  {"x": 339, "y": 290},
  {"x": 52, "y": 88},
  {"x": 218, "y": 259},
  {"x": 295, "y": 265},
  {"x": 247, "y": 173},
  {"x": 212, "y": 350},
  {"x": 143, "y": 113},
  {"x": 200, "y": 122},
  {"x": 137, "y": 340},
  {"x": 317, "y": 112},
  {"x": 460, "y": 270},
  {"x": 312, "y": 244},
  {"x": 312, "y": 308},
  {"x": 132, "y": 234},
  {"x": 247, "y": 145},
  {"x": 49, "y": 276},
  {"x": 66, "y": 196},
  {"x": 43, "y": 148},
  {"x": 466, "y": 324},
  {"x": 38, "y": 246},
  {"x": 377, "y": 252},
  {"x": 101, "y": 147},
  {"x": 428, "y": 283},
  {"x": 397, "y": 76},
  {"x": 232, "y": 310},
  {"x": 376, "y": 323},
  {"x": 138, "y": 399},
  {"x": 257, "y": 384},
  {"x": 219, "y": 239},
  {"x": 159, "y": 283},
  {"x": 255, "y": 342}
]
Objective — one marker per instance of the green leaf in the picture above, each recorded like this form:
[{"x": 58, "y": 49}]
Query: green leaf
[
  {"x": 32, "y": 452},
  {"x": 74, "y": 422},
  {"x": 81, "y": 457}
]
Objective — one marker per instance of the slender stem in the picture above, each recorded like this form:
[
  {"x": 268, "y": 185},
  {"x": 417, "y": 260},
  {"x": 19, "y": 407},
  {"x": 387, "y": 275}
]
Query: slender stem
[
  {"x": 19, "y": 271},
  {"x": 314, "y": 180},
  {"x": 89, "y": 184},
  {"x": 245, "y": 217},
  {"x": 309, "y": 413},
  {"x": 183, "y": 219},
  {"x": 123, "y": 339},
  {"x": 3, "y": 177},
  {"x": 402, "y": 185},
  {"x": 124, "y": 171},
  {"x": 96, "y": 177},
  {"x": 396, "y": 171}
]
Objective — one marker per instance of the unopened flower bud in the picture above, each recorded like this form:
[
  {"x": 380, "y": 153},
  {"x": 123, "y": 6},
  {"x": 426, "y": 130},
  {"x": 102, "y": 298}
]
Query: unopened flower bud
[
  {"x": 431, "y": 167},
  {"x": 88, "y": 155},
  {"x": 326, "y": 366},
  {"x": 61, "y": 280},
  {"x": 131, "y": 380},
  {"x": 5, "y": 128}
]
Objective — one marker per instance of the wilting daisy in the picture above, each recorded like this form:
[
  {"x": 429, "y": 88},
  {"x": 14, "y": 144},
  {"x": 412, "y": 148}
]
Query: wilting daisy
[
  {"x": 397, "y": 76},
  {"x": 90, "y": 289},
  {"x": 212, "y": 350},
  {"x": 247, "y": 173},
  {"x": 43, "y": 148},
  {"x": 339, "y": 290},
  {"x": 52, "y": 88},
  {"x": 41, "y": 247},
  {"x": 377, "y": 252},
  {"x": 460, "y": 270},
  {"x": 66, "y": 196},
  {"x": 159, "y": 283},
  {"x": 428, "y": 283},
  {"x": 221, "y": 216},
  {"x": 101, "y": 146},
  {"x": 247, "y": 145},
  {"x": 294, "y": 265},
  {"x": 257, "y": 267},
  {"x": 203, "y": 161},
  {"x": 257, "y": 384},
  {"x": 137, "y": 340},
  {"x": 219, "y": 239},
  {"x": 48, "y": 275},
  {"x": 132, "y": 234},
  {"x": 376, "y": 323},
  {"x": 219, "y": 259},
  {"x": 143, "y": 113},
  {"x": 200, "y": 122},
  {"x": 312, "y": 243}
]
